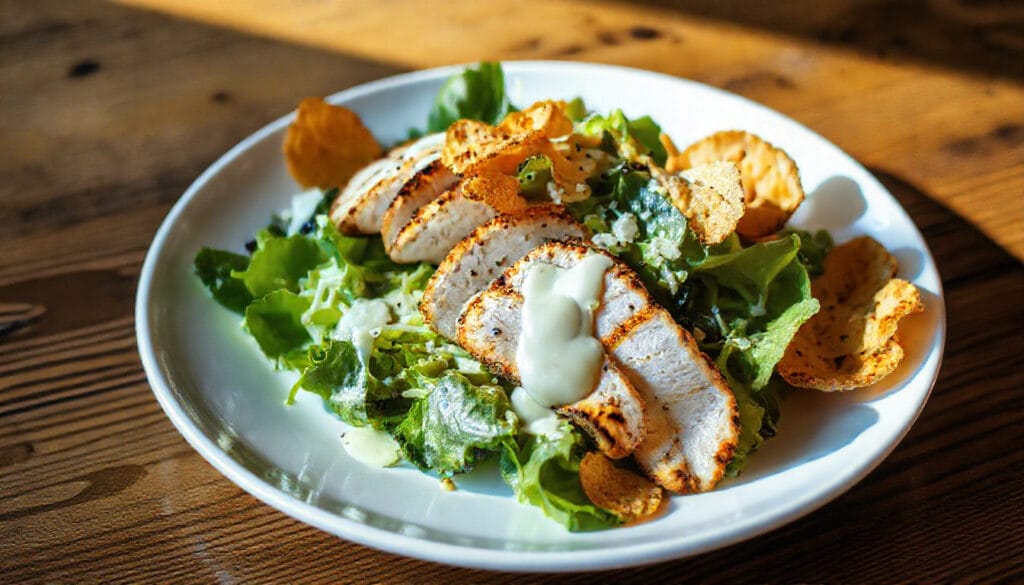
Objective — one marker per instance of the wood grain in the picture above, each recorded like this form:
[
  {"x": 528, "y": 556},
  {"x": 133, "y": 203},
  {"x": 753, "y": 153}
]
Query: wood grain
[
  {"x": 108, "y": 112},
  {"x": 959, "y": 136}
]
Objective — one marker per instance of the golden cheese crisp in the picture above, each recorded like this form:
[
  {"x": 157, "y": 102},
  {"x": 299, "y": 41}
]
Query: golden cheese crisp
[
  {"x": 473, "y": 147},
  {"x": 547, "y": 118},
  {"x": 710, "y": 196},
  {"x": 629, "y": 496},
  {"x": 499, "y": 191},
  {"x": 771, "y": 182},
  {"x": 326, "y": 145},
  {"x": 852, "y": 341}
]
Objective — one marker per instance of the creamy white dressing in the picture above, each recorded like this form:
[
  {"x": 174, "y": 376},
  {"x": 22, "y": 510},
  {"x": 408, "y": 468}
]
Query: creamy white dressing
[
  {"x": 362, "y": 323},
  {"x": 303, "y": 206},
  {"x": 535, "y": 418},
  {"x": 370, "y": 446},
  {"x": 558, "y": 358}
]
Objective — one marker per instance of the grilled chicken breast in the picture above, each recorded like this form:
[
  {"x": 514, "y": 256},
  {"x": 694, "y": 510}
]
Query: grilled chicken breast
[
  {"x": 690, "y": 411},
  {"x": 613, "y": 414},
  {"x": 482, "y": 256},
  {"x": 437, "y": 226},
  {"x": 425, "y": 186},
  {"x": 360, "y": 207},
  {"x": 693, "y": 424}
]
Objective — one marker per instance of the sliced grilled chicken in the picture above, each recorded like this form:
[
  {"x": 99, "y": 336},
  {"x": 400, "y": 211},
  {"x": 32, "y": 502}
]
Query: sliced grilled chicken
[
  {"x": 613, "y": 414},
  {"x": 692, "y": 422},
  {"x": 424, "y": 186},
  {"x": 624, "y": 295},
  {"x": 437, "y": 226},
  {"x": 360, "y": 207},
  {"x": 344, "y": 208},
  {"x": 482, "y": 256}
]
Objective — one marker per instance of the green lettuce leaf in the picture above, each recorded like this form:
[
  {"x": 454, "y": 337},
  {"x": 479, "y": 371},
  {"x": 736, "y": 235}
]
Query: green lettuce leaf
[
  {"x": 275, "y": 321},
  {"x": 456, "y": 424},
  {"x": 752, "y": 302},
  {"x": 762, "y": 296},
  {"x": 214, "y": 268},
  {"x": 478, "y": 94},
  {"x": 533, "y": 175},
  {"x": 632, "y": 138},
  {"x": 813, "y": 249},
  {"x": 349, "y": 388},
  {"x": 664, "y": 249},
  {"x": 279, "y": 263},
  {"x": 545, "y": 471},
  {"x": 576, "y": 110}
]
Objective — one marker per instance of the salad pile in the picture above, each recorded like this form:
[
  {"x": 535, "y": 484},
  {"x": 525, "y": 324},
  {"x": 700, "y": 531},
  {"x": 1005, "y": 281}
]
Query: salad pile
[{"x": 339, "y": 310}]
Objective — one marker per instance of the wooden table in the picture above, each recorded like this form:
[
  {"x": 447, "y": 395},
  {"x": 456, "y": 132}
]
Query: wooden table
[{"x": 109, "y": 111}]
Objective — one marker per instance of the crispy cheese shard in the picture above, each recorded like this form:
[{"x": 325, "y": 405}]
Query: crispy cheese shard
[
  {"x": 852, "y": 342},
  {"x": 482, "y": 256},
  {"x": 771, "y": 182},
  {"x": 440, "y": 224},
  {"x": 326, "y": 145},
  {"x": 710, "y": 196},
  {"x": 631, "y": 497},
  {"x": 473, "y": 147}
]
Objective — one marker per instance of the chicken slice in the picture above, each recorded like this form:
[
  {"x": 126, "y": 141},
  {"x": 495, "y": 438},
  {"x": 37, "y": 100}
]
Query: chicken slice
[
  {"x": 613, "y": 414},
  {"x": 482, "y": 256},
  {"x": 360, "y": 207},
  {"x": 624, "y": 295},
  {"x": 425, "y": 186},
  {"x": 344, "y": 208},
  {"x": 692, "y": 422},
  {"x": 439, "y": 225}
]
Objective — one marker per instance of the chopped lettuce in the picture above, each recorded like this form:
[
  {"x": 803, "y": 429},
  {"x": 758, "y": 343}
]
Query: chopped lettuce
[
  {"x": 275, "y": 321},
  {"x": 534, "y": 174},
  {"x": 813, "y": 249},
  {"x": 576, "y": 110},
  {"x": 478, "y": 94},
  {"x": 214, "y": 268},
  {"x": 544, "y": 470},
  {"x": 632, "y": 138},
  {"x": 663, "y": 249},
  {"x": 279, "y": 263},
  {"x": 455, "y": 424},
  {"x": 351, "y": 389}
]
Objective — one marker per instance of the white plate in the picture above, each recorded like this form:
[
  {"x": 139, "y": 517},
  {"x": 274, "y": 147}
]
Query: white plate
[{"x": 228, "y": 403}]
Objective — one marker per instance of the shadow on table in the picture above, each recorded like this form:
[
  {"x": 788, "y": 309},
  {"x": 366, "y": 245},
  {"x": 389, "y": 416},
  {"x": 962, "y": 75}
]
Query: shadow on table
[{"x": 976, "y": 37}]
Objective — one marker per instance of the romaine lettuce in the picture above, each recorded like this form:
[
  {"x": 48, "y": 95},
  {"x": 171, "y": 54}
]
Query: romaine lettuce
[
  {"x": 279, "y": 263},
  {"x": 544, "y": 470},
  {"x": 455, "y": 424},
  {"x": 275, "y": 321},
  {"x": 633, "y": 138},
  {"x": 214, "y": 268},
  {"x": 351, "y": 389},
  {"x": 478, "y": 94}
]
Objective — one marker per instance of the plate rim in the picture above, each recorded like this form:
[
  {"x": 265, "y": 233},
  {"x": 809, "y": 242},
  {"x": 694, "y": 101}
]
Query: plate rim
[{"x": 466, "y": 556}]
